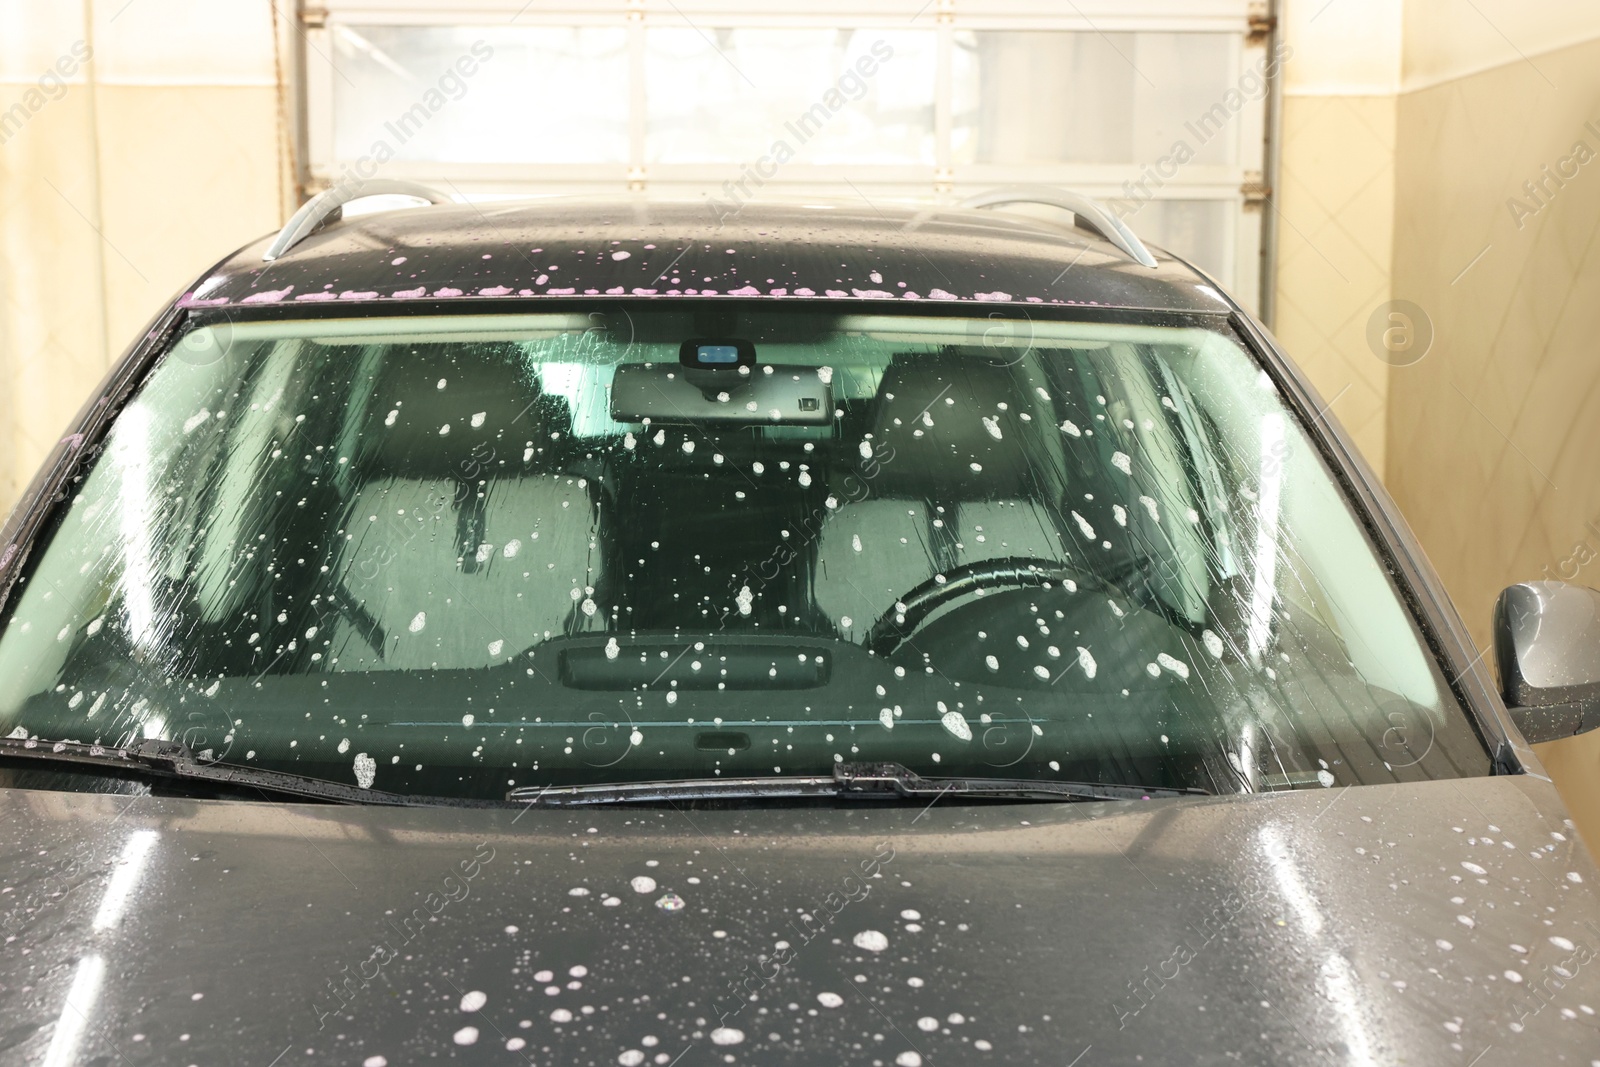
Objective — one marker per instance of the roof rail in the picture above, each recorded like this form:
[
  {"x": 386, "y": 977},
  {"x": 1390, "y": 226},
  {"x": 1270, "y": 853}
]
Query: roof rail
[
  {"x": 1087, "y": 213},
  {"x": 328, "y": 206}
]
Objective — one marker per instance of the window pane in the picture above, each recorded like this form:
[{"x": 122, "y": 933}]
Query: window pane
[
  {"x": 1090, "y": 97},
  {"x": 533, "y": 95},
  {"x": 825, "y": 95}
]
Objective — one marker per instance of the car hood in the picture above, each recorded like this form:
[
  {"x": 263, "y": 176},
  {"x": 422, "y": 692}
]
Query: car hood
[{"x": 1419, "y": 923}]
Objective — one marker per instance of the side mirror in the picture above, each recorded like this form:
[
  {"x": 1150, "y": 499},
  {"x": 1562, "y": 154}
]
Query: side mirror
[{"x": 1547, "y": 648}]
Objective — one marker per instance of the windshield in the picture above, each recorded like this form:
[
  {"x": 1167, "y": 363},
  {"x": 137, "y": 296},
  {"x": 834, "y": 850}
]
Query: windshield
[{"x": 453, "y": 555}]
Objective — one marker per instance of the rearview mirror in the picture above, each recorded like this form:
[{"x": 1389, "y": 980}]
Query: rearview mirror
[
  {"x": 674, "y": 393},
  {"x": 1547, "y": 647}
]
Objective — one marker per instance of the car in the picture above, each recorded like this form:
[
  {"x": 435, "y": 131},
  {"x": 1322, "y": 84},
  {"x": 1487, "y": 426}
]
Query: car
[{"x": 585, "y": 632}]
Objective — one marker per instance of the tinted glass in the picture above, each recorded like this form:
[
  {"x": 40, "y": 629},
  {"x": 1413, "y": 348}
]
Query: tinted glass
[{"x": 452, "y": 555}]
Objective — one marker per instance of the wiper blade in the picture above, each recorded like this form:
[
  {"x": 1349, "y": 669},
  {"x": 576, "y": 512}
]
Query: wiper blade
[
  {"x": 173, "y": 760},
  {"x": 886, "y": 781}
]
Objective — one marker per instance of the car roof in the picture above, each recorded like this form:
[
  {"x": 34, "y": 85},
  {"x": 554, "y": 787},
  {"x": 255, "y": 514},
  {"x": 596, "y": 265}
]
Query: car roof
[{"x": 563, "y": 248}]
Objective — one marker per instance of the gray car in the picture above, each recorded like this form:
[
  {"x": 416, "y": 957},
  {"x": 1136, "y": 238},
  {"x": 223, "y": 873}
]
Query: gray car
[{"x": 577, "y": 633}]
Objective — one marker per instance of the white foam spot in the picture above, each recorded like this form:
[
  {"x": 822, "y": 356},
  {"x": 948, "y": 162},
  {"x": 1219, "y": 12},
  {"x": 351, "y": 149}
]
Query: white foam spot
[
  {"x": 829, "y": 1000},
  {"x": 418, "y": 621},
  {"x": 872, "y": 940},
  {"x": 1213, "y": 644},
  {"x": 643, "y": 884},
  {"x": 956, "y": 723},
  {"x": 467, "y": 1035},
  {"x": 366, "y": 769},
  {"x": 727, "y": 1035},
  {"x": 908, "y": 1059},
  {"x": 1176, "y": 666},
  {"x": 1086, "y": 661},
  {"x": 1121, "y": 461},
  {"x": 474, "y": 1001}
]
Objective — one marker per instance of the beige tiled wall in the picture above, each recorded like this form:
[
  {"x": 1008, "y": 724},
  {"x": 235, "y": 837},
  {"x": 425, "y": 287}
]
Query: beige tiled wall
[
  {"x": 159, "y": 156},
  {"x": 1494, "y": 438},
  {"x": 1336, "y": 234},
  {"x": 1335, "y": 202},
  {"x": 1406, "y": 131}
]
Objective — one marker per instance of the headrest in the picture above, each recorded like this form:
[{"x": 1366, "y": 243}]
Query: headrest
[
  {"x": 439, "y": 409},
  {"x": 952, "y": 422}
]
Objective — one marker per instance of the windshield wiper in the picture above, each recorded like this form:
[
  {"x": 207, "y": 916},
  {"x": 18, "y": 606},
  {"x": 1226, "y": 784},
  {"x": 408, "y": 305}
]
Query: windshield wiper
[
  {"x": 152, "y": 758},
  {"x": 882, "y": 781}
]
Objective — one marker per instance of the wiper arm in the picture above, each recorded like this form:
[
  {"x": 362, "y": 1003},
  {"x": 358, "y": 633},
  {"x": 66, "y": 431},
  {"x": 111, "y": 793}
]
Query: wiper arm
[
  {"x": 886, "y": 781},
  {"x": 173, "y": 760}
]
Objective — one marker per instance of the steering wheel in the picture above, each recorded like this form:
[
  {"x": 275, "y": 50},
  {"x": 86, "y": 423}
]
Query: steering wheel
[{"x": 1014, "y": 572}]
